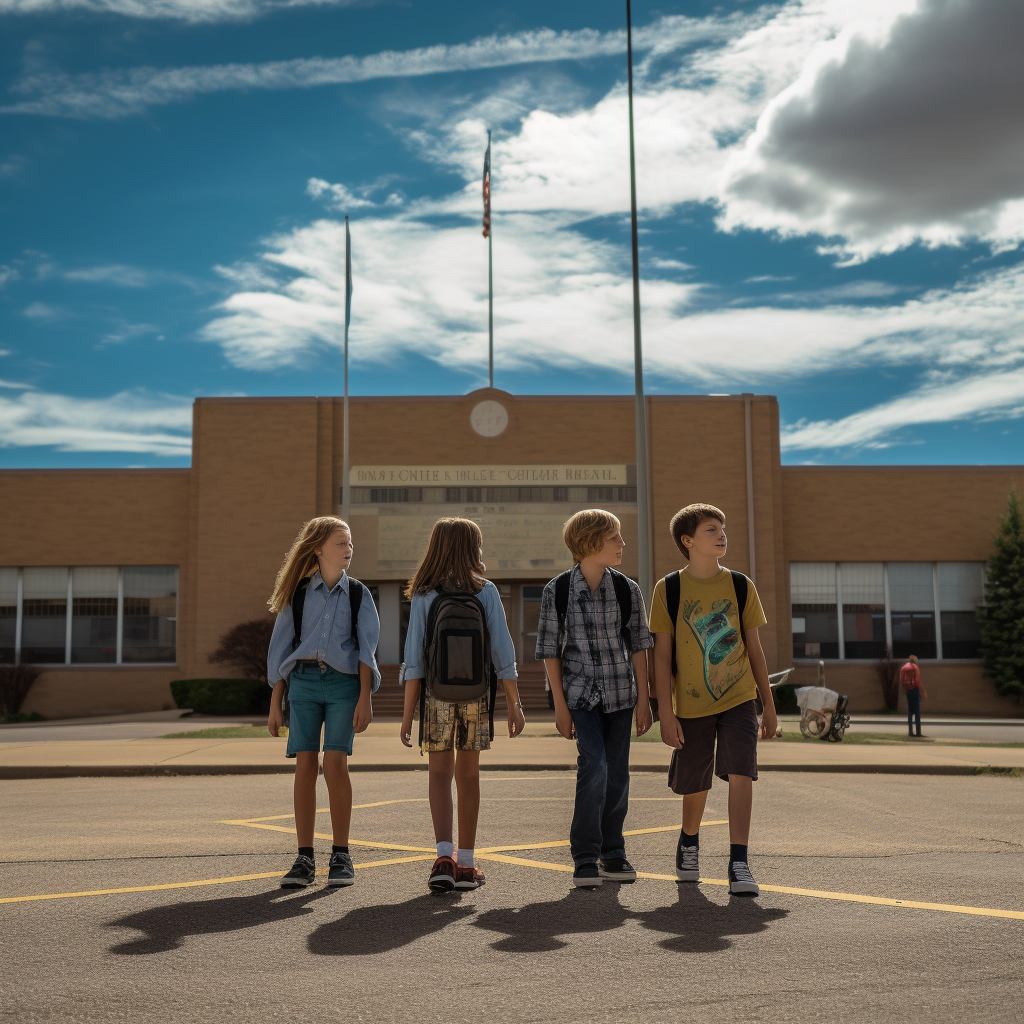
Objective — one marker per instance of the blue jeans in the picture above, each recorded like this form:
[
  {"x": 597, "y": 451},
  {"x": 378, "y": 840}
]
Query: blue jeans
[
  {"x": 913, "y": 710},
  {"x": 602, "y": 784}
]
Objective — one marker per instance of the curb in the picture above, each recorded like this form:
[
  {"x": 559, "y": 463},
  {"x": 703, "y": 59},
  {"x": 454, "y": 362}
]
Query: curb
[{"x": 159, "y": 771}]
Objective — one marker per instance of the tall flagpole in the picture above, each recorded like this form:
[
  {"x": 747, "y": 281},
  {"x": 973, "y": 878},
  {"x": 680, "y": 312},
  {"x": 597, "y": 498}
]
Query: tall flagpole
[
  {"x": 490, "y": 262},
  {"x": 346, "y": 491},
  {"x": 642, "y": 494}
]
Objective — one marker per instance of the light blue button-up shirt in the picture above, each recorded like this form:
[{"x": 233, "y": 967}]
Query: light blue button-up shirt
[
  {"x": 503, "y": 652},
  {"x": 326, "y": 633}
]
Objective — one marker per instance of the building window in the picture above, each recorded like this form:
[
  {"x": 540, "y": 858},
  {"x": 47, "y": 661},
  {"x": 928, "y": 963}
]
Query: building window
[
  {"x": 862, "y": 589},
  {"x": 94, "y": 615},
  {"x": 854, "y": 610},
  {"x": 961, "y": 593},
  {"x": 912, "y": 609},
  {"x": 88, "y": 615},
  {"x": 815, "y": 624},
  {"x": 44, "y": 610},
  {"x": 8, "y": 614}
]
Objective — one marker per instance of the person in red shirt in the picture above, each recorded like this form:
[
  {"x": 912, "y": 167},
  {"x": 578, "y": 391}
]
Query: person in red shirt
[{"x": 910, "y": 679}]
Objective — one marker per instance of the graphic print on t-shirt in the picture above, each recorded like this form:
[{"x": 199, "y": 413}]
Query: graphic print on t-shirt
[{"x": 719, "y": 643}]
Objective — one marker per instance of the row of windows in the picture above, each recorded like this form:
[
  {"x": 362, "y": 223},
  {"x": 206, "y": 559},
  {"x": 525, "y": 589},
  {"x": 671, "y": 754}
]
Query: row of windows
[
  {"x": 474, "y": 495},
  {"x": 88, "y": 615},
  {"x": 857, "y": 609}
]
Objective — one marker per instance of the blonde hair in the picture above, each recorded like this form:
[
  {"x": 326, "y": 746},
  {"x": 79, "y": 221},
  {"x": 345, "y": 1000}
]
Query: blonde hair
[
  {"x": 301, "y": 559},
  {"x": 452, "y": 559},
  {"x": 585, "y": 532}
]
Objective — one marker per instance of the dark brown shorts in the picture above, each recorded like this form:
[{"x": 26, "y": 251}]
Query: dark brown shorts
[{"x": 689, "y": 771}]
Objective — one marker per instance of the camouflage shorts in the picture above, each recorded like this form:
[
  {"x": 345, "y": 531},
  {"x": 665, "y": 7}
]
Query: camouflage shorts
[{"x": 455, "y": 726}]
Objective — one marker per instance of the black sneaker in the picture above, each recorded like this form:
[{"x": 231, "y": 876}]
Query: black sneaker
[
  {"x": 587, "y": 876},
  {"x": 618, "y": 869},
  {"x": 341, "y": 871},
  {"x": 741, "y": 881},
  {"x": 687, "y": 867},
  {"x": 303, "y": 873}
]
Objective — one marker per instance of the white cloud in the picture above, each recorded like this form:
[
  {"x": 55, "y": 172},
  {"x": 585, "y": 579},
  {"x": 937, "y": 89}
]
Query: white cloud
[
  {"x": 184, "y": 10},
  {"x": 563, "y": 299},
  {"x": 43, "y": 311},
  {"x": 982, "y": 396},
  {"x": 13, "y": 385},
  {"x": 8, "y": 273},
  {"x": 130, "y": 421},
  {"x": 889, "y": 136},
  {"x": 126, "y": 277},
  {"x": 338, "y": 196},
  {"x": 111, "y": 93}
]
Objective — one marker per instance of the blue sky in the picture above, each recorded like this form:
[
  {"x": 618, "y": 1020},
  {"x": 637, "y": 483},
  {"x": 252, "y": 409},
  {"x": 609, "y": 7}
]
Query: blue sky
[{"x": 831, "y": 210}]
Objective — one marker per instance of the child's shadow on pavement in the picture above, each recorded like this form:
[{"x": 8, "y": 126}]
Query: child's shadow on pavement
[
  {"x": 537, "y": 927},
  {"x": 165, "y": 927},
  {"x": 378, "y": 929},
  {"x": 697, "y": 925}
]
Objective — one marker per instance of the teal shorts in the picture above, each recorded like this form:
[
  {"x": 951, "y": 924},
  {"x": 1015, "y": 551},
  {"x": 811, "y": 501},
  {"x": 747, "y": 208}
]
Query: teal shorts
[{"x": 321, "y": 700}]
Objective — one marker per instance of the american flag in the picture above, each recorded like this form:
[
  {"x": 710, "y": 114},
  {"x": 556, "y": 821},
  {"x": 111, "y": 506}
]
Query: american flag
[{"x": 487, "y": 188}]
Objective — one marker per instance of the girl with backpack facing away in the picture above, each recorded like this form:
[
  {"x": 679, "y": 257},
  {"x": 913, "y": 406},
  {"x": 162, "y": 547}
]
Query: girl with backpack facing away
[
  {"x": 322, "y": 655},
  {"x": 456, "y": 647}
]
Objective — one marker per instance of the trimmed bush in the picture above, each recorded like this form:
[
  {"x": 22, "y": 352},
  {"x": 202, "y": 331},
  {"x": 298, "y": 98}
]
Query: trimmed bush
[{"x": 222, "y": 696}]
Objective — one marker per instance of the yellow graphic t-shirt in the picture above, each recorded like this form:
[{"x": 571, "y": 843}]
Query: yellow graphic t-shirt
[{"x": 713, "y": 669}]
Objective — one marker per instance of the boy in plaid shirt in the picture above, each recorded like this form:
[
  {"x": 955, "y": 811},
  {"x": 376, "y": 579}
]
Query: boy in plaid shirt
[{"x": 593, "y": 639}]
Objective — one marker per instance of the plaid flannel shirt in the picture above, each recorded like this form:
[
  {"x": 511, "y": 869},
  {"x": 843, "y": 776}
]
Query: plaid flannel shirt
[{"x": 597, "y": 669}]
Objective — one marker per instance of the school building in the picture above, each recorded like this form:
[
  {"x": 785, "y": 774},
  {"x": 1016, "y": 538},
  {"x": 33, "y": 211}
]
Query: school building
[{"x": 115, "y": 582}]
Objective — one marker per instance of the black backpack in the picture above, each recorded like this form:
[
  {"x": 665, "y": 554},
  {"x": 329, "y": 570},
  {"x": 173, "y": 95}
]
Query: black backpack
[
  {"x": 355, "y": 599},
  {"x": 457, "y": 665},
  {"x": 623, "y": 595},
  {"x": 672, "y": 592}
]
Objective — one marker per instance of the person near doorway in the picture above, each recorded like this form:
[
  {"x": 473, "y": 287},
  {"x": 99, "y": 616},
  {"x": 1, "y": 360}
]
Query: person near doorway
[{"x": 910, "y": 680}]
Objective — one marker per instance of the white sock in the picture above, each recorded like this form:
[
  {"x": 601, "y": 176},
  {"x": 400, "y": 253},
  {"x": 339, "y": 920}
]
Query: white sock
[
  {"x": 446, "y": 849},
  {"x": 466, "y": 858}
]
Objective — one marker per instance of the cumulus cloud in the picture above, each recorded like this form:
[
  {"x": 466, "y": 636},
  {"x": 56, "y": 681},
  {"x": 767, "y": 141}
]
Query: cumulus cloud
[
  {"x": 563, "y": 299},
  {"x": 183, "y": 10},
  {"x": 118, "y": 93},
  {"x": 981, "y": 396},
  {"x": 911, "y": 134},
  {"x": 130, "y": 421}
]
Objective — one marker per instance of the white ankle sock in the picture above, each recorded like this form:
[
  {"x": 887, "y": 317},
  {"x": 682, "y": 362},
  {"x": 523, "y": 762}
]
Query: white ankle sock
[
  {"x": 446, "y": 849},
  {"x": 466, "y": 858}
]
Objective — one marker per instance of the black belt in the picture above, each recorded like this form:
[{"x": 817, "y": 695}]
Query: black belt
[{"x": 322, "y": 665}]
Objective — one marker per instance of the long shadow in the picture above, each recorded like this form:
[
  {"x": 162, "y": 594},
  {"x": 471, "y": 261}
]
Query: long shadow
[
  {"x": 538, "y": 927},
  {"x": 695, "y": 924},
  {"x": 164, "y": 928},
  {"x": 368, "y": 930}
]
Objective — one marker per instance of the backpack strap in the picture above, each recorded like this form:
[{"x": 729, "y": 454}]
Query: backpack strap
[
  {"x": 741, "y": 586},
  {"x": 624, "y": 597},
  {"x": 493, "y": 699},
  {"x": 562, "y": 581},
  {"x": 298, "y": 603},
  {"x": 355, "y": 599},
  {"x": 672, "y": 592}
]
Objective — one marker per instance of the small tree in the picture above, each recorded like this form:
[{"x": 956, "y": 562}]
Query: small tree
[
  {"x": 888, "y": 670},
  {"x": 1002, "y": 619},
  {"x": 15, "y": 682},
  {"x": 245, "y": 646}
]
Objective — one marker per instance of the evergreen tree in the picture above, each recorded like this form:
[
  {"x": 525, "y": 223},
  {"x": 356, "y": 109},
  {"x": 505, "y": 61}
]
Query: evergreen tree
[{"x": 1002, "y": 623}]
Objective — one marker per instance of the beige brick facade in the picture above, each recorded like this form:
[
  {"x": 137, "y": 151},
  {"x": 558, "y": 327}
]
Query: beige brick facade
[{"x": 262, "y": 466}]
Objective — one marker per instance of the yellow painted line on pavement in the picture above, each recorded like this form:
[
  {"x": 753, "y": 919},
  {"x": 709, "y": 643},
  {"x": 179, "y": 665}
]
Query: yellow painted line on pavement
[
  {"x": 196, "y": 883},
  {"x": 845, "y": 897},
  {"x": 565, "y": 842}
]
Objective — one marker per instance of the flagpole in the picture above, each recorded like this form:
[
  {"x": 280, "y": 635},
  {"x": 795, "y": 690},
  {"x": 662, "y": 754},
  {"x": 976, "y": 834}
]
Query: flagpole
[
  {"x": 642, "y": 495},
  {"x": 345, "y": 489},
  {"x": 490, "y": 279}
]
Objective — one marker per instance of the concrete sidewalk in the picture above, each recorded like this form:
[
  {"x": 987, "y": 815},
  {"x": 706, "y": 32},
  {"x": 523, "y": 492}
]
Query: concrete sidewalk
[{"x": 380, "y": 749}]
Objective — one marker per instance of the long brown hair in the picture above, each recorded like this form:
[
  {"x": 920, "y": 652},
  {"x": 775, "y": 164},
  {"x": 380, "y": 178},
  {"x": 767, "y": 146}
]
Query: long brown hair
[
  {"x": 301, "y": 559},
  {"x": 452, "y": 559}
]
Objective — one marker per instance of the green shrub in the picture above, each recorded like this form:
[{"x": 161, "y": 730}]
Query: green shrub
[
  {"x": 21, "y": 716},
  {"x": 222, "y": 696}
]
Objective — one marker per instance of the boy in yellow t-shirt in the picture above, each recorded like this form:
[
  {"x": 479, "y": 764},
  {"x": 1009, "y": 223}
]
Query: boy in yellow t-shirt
[{"x": 709, "y": 667}]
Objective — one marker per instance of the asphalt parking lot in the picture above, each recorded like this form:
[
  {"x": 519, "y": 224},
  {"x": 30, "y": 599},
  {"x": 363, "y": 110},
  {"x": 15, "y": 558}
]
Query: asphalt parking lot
[{"x": 824, "y": 941}]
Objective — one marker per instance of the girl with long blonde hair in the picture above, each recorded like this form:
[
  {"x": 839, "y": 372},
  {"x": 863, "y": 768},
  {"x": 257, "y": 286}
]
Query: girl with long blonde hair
[
  {"x": 322, "y": 655},
  {"x": 454, "y": 732}
]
